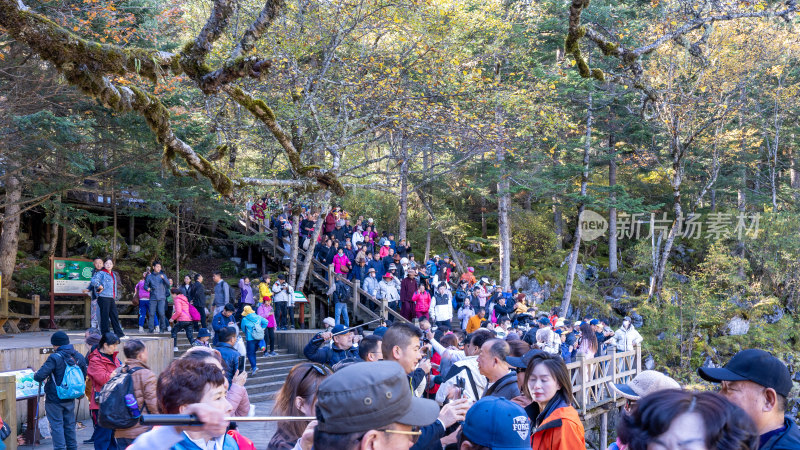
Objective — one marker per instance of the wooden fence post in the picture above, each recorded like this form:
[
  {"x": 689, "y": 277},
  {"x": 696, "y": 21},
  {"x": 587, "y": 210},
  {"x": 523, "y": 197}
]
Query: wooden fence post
[
  {"x": 35, "y": 313},
  {"x": 638, "y": 349},
  {"x": 356, "y": 299},
  {"x": 87, "y": 308},
  {"x": 582, "y": 382},
  {"x": 604, "y": 430},
  {"x": 8, "y": 407},
  {"x": 4, "y": 303},
  {"x": 613, "y": 372},
  {"x": 313, "y": 307}
]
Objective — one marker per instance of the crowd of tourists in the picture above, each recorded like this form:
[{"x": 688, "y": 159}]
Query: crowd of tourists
[
  {"x": 473, "y": 367},
  {"x": 378, "y": 393}
]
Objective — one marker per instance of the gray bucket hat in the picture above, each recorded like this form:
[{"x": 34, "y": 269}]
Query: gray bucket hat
[{"x": 368, "y": 396}]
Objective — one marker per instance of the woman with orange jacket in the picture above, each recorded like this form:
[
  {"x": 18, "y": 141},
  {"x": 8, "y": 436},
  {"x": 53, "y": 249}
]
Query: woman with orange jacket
[{"x": 558, "y": 426}]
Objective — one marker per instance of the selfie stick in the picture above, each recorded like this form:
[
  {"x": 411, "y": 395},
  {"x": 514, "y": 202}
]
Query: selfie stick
[
  {"x": 347, "y": 330},
  {"x": 192, "y": 420}
]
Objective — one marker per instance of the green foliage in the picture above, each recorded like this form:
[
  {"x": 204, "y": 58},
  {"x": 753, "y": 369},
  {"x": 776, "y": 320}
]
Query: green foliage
[
  {"x": 32, "y": 280},
  {"x": 533, "y": 238}
]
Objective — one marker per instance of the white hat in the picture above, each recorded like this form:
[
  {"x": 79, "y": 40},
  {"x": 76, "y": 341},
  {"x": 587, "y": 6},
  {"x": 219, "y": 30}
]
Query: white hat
[
  {"x": 369, "y": 220},
  {"x": 647, "y": 382},
  {"x": 329, "y": 321},
  {"x": 386, "y": 244},
  {"x": 404, "y": 261},
  {"x": 559, "y": 323},
  {"x": 577, "y": 323}
]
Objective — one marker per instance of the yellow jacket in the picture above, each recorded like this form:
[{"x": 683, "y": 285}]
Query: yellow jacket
[{"x": 264, "y": 291}]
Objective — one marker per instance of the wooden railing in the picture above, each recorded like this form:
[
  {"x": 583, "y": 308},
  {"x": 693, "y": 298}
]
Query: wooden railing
[
  {"x": 8, "y": 407},
  {"x": 325, "y": 274},
  {"x": 11, "y": 318},
  {"x": 592, "y": 379}
]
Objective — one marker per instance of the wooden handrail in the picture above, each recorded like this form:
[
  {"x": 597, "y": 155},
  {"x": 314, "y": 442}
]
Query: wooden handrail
[{"x": 317, "y": 264}]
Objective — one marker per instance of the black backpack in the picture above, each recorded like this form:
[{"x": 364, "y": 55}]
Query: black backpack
[
  {"x": 114, "y": 412},
  {"x": 341, "y": 294}
]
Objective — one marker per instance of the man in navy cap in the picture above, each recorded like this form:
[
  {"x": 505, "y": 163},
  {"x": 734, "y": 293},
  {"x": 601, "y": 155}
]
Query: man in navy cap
[
  {"x": 60, "y": 412},
  {"x": 320, "y": 350},
  {"x": 759, "y": 383},
  {"x": 497, "y": 424}
]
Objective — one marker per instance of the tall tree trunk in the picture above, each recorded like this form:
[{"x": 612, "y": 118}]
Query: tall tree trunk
[
  {"x": 794, "y": 180},
  {"x": 9, "y": 237},
  {"x": 178, "y": 245},
  {"x": 612, "y": 199},
  {"x": 303, "y": 276},
  {"x": 528, "y": 200},
  {"x": 402, "y": 220},
  {"x": 558, "y": 223},
  {"x": 295, "y": 240},
  {"x": 54, "y": 226},
  {"x": 504, "y": 226},
  {"x": 677, "y": 150},
  {"x": 114, "y": 221},
  {"x": 460, "y": 265},
  {"x": 576, "y": 244}
]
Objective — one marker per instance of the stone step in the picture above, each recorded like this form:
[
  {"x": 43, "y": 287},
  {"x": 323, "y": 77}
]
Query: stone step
[
  {"x": 263, "y": 397},
  {"x": 263, "y": 388}
]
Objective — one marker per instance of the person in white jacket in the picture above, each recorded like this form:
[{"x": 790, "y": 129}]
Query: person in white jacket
[
  {"x": 465, "y": 366},
  {"x": 626, "y": 336},
  {"x": 388, "y": 291},
  {"x": 441, "y": 310},
  {"x": 465, "y": 312}
]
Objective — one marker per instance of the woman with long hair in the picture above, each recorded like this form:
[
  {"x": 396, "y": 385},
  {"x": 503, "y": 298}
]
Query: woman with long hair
[
  {"x": 103, "y": 362},
  {"x": 297, "y": 397},
  {"x": 692, "y": 420},
  {"x": 588, "y": 343},
  {"x": 548, "y": 384}
]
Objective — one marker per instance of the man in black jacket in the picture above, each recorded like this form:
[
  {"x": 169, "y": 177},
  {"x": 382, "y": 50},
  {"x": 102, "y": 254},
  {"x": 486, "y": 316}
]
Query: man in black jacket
[
  {"x": 60, "y": 413},
  {"x": 401, "y": 343},
  {"x": 493, "y": 365},
  {"x": 320, "y": 350},
  {"x": 760, "y": 384},
  {"x": 198, "y": 297}
]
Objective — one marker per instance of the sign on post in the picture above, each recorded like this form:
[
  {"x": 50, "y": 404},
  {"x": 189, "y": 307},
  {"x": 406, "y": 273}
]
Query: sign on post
[
  {"x": 71, "y": 276},
  {"x": 299, "y": 297}
]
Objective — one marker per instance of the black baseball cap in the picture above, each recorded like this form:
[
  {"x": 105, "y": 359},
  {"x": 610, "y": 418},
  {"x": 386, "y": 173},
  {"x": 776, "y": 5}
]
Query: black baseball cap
[
  {"x": 754, "y": 365},
  {"x": 521, "y": 362}
]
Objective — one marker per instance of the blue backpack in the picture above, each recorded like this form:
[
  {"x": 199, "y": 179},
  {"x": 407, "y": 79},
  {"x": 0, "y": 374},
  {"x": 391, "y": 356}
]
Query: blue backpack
[{"x": 73, "y": 385}]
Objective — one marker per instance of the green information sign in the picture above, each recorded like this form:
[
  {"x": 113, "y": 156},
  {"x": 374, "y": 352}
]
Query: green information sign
[
  {"x": 299, "y": 297},
  {"x": 71, "y": 276}
]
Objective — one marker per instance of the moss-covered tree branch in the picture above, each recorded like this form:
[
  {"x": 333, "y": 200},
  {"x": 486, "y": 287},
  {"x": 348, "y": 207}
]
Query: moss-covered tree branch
[
  {"x": 630, "y": 59},
  {"x": 325, "y": 179},
  {"x": 61, "y": 47},
  {"x": 258, "y": 27}
]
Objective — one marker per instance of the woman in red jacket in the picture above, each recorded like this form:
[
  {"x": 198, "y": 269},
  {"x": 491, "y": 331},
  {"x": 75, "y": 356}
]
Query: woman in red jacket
[
  {"x": 103, "y": 362},
  {"x": 181, "y": 318},
  {"x": 558, "y": 426}
]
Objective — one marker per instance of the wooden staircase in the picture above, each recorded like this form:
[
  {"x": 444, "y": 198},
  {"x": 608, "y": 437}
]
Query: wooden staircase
[{"x": 271, "y": 375}]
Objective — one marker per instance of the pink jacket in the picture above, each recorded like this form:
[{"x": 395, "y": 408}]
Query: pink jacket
[
  {"x": 339, "y": 262},
  {"x": 181, "y": 305},
  {"x": 238, "y": 398},
  {"x": 423, "y": 301},
  {"x": 265, "y": 311}
]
